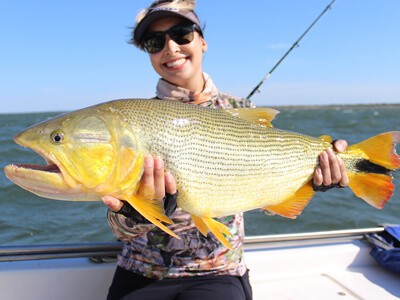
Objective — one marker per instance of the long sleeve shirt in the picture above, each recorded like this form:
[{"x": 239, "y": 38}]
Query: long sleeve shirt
[{"x": 152, "y": 253}]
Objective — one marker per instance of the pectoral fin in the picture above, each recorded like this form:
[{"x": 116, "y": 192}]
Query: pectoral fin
[{"x": 151, "y": 211}]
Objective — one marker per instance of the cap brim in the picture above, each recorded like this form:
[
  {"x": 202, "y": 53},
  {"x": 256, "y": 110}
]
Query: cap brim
[{"x": 141, "y": 28}]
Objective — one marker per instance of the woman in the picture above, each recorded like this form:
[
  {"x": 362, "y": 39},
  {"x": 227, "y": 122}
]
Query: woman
[{"x": 195, "y": 267}]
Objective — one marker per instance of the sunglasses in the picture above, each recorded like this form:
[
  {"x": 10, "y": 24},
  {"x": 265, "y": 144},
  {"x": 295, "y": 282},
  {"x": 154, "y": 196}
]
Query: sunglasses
[{"x": 181, "y": 34}]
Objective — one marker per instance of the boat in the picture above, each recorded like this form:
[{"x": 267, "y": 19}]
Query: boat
[{"x": 318, "y": 265}]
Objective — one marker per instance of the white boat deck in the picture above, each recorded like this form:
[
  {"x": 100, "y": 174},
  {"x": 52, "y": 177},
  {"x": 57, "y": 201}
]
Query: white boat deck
[
  {"x": 328, "y": 270},
  {"x": 296, "y": 268}
]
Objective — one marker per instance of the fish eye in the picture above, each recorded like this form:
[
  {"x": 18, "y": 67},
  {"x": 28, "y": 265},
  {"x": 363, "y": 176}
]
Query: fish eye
[{"x": 57, "y": 137}]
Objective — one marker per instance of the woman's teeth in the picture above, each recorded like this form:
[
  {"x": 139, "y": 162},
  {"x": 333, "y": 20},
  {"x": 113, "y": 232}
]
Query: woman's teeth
[{"x": 176, "y": 63}]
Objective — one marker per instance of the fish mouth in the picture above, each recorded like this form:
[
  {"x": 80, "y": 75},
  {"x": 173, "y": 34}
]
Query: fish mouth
[
  {"x": 48, "y": 180},
  {"x": 52, "y": 168},
  {"x": 51, "y": 164}
]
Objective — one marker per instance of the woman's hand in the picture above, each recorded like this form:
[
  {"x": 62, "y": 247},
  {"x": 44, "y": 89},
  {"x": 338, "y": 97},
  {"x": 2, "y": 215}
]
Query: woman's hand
[
  {"x": 154, "y": 178},
  {"x": 331, "y": 171}
]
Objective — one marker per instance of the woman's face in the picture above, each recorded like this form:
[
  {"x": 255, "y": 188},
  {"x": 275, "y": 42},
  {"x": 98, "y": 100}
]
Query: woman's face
[{"x": 180, "y": 65}]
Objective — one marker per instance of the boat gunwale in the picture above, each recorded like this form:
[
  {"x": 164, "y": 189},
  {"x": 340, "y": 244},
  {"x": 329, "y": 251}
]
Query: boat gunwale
[{"x": 110, "y": 250}]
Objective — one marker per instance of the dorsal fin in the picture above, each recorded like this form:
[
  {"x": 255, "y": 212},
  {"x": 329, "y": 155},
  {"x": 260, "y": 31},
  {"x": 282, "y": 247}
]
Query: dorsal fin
[{"x": 262, "y": 116}]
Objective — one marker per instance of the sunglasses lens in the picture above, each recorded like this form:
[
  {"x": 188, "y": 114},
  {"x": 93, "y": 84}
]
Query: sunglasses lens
[
  {"x": 180, "y": 34},
  {"x": 154, "y": 42}
]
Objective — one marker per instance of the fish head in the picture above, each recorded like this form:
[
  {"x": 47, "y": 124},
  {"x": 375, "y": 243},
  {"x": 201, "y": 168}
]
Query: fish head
[{"x": 88, "y": 152}]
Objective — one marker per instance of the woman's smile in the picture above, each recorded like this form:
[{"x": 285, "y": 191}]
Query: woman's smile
[{"x": 177, "y": 63}]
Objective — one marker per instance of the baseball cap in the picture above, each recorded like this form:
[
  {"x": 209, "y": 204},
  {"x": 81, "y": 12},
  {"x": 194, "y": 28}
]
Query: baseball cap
[{"x": 161, "y": 9}]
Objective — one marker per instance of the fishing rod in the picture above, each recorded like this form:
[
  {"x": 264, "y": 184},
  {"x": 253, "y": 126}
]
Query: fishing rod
[{"x": 256, "y": 89}]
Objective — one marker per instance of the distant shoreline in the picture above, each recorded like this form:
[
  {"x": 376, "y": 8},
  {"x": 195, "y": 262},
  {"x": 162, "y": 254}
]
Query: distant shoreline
[{"x": 336, "y": 106}]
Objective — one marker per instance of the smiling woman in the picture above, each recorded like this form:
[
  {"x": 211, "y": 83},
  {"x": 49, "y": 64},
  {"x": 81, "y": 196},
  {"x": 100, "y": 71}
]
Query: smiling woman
[{"x": 181, "y": 68}]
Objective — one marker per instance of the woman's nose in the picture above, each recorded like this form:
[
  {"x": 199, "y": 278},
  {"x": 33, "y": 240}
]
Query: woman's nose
[{"x": 170, "y": 45}]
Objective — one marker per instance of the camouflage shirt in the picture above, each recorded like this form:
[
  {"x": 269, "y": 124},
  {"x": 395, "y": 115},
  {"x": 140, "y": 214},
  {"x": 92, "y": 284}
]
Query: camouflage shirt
[{"x": 152, "y": 253}]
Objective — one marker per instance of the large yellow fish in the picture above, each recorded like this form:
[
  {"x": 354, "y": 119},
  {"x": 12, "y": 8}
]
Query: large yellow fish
[{"x": 224, "y": 161}]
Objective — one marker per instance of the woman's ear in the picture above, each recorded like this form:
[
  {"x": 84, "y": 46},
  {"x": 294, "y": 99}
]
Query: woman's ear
[{"x": 204, "y": 45}]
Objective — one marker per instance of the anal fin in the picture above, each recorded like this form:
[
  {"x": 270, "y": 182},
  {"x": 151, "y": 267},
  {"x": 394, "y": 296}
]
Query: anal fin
[
  {"x": 294, "y": 205},
  {"x": 205, "y": 224}
]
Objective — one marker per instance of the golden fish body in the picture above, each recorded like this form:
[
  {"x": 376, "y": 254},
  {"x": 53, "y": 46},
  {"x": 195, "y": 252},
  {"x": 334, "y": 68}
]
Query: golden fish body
[
  {"x": 224, "y": 164},
  {"x": 224, "y": 161}
]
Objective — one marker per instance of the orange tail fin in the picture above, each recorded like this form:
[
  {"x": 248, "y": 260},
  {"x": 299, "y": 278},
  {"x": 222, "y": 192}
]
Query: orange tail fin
[{"x": 370, "y": 179}]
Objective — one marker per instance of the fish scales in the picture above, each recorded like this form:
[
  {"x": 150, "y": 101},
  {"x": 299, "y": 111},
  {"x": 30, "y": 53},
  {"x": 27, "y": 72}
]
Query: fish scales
[{"x": 203, "y": 150}]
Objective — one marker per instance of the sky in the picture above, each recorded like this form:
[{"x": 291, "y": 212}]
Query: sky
[{"x": 64, "y": 55}]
